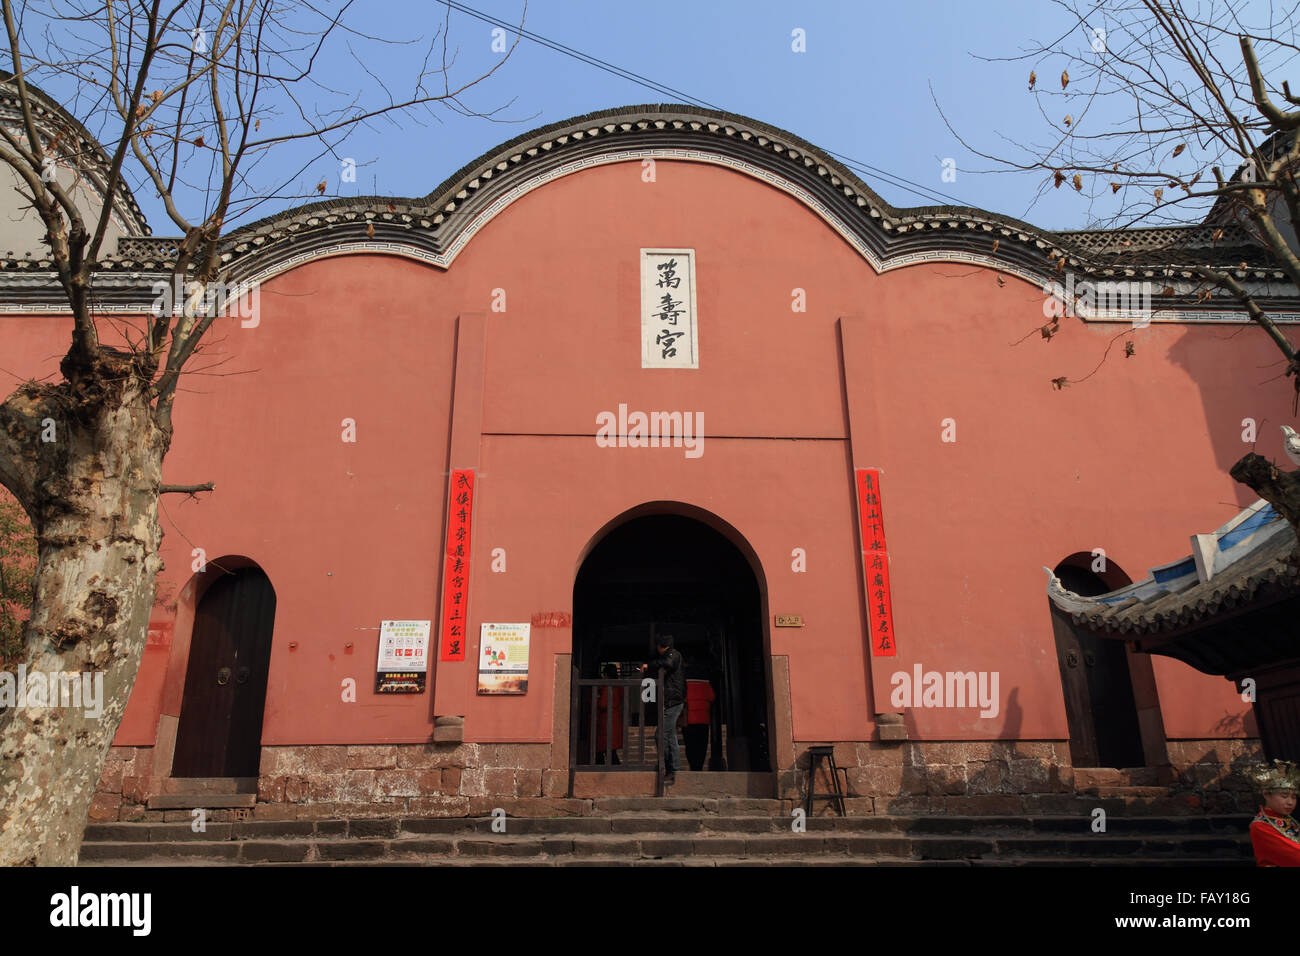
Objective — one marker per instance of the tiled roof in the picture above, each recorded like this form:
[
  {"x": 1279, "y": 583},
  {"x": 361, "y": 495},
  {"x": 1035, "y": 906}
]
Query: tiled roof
[
  {"x": 50, "y": 114},
  {"x": 1250, "y": 560}
]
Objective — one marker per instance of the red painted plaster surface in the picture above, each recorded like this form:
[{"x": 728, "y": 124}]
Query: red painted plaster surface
[{"x": 1132, "y": 460}]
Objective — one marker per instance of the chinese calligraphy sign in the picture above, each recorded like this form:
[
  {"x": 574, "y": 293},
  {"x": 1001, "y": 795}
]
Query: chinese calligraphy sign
[
  {"x": 668, "y": 326},
  {"x": 875, "y": 563},
  {"x": 455, "y": 579}
]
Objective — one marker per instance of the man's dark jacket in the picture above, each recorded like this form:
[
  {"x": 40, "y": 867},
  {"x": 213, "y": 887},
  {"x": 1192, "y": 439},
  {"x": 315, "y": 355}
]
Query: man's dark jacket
[{"x": 674, "y": 676}]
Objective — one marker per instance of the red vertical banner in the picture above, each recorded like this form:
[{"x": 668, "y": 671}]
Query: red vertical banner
[
  {"x": 455, "y": 578},
  {"x": 880, "y": 612},
  {"x": 875, "y": 564}
]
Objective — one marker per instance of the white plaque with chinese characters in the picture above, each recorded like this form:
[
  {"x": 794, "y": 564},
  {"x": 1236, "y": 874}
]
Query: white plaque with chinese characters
[{"x": 668, "y": 338}]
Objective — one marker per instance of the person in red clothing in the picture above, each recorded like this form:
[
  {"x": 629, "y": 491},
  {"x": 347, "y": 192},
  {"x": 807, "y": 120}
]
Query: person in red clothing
[
  {"x": 609, "y": 699},
  {"x": 699, "y": 697},
  {"x": 1274, "y": 833}
]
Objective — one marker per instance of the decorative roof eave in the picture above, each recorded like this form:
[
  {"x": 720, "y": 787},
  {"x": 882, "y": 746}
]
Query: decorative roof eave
[
  {"x": 435, "y": 228},
  {"x": 50, "y": 114},
  {"x": 1255, "y": 562}
]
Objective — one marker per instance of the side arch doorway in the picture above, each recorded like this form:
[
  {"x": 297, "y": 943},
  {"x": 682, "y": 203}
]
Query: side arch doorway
[
  {"x": 671, "y": 574},
  {"x": 220, "y": 728},
  {"x": 1101, "y": 706}
]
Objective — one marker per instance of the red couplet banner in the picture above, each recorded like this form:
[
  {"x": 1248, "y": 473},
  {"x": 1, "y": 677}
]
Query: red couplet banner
[
  {"x": 870, "y": 515},
  {"x": 875, "y": 563},
  {"x": 455, "y": 578}
]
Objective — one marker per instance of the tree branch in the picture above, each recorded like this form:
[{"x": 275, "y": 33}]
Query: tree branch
[{"x": 184, "y": 489}]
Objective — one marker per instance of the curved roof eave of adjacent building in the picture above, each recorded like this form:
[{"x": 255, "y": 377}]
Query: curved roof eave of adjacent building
[
  {"x": 128, "y": 213},
  {"x": 1250, "y": 562},
  {"x": 436, "y": 227}
]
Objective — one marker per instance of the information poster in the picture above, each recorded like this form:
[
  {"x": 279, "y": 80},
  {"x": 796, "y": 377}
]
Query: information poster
[
  {"x": 403, "y": 657},
  {"x": 503, "y": 658}
]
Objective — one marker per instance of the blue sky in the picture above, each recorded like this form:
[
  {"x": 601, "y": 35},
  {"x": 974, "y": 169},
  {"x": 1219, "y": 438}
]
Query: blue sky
[
  {"x": 869, "y": 85},
  {"x": 863, "y": 88}
]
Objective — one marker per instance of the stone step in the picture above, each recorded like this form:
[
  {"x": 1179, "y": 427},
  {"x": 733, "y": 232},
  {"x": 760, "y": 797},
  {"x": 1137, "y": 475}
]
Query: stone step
[
  {"x": 207, "y": 801},
  {"x": 642, "y": 846},
  {"x": 665, "y": 823},
  {"x": 692, "y": 804},
  {"x": 1132, "y": 791},
  {"x": 688, "y": 783},
  {"x": 208, "y": 785},
  {"x": 719, "y": 861},
  {"x": 1087, "y": 777}
]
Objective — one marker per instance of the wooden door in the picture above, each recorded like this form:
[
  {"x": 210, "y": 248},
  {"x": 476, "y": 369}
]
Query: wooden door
[
  {"x": 1099, "y": 704},
  {"x": 220, "y": 731},
  {"x": 1078, "y": 701}
]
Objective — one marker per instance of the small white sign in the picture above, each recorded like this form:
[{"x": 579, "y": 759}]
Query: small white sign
[
  {"x": 404, "y": 646},
  {"x": 668, "y": 326}
]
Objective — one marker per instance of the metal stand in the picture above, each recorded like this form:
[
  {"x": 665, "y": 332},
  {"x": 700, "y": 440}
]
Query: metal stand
[{"x": 836, "y": 796}]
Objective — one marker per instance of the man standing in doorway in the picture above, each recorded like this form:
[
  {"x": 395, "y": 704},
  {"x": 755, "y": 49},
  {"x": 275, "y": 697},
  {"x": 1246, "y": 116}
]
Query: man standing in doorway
[{"x": 674, "y": 700}]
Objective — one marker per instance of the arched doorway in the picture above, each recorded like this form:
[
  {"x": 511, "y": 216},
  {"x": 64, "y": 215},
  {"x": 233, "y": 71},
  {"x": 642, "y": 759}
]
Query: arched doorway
[
  {"x": 1100, "y": 706},
  {"x": 220, "y": 729},
  {"x": 671, "y": 574}
]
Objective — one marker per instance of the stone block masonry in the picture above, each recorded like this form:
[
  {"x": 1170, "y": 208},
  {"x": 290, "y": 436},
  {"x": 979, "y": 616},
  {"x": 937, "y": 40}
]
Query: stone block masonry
[{"x": 911, "y": 777}]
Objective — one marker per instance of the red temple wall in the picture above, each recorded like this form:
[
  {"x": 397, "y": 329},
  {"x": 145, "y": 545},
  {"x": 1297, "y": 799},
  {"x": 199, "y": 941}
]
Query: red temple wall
[{"x": 1133, "y": 459}]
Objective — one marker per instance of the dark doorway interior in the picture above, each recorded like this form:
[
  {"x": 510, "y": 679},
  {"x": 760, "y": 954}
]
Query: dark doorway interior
[
  {"x": 220, "y": 729},
  {"x": 668, "y": 574},
  {"x": 1099, "y": 703}
]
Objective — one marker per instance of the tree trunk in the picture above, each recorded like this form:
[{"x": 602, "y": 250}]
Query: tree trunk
[
  {"x": 94, "y": 504},
  {"x": 1279, "y": 488}
]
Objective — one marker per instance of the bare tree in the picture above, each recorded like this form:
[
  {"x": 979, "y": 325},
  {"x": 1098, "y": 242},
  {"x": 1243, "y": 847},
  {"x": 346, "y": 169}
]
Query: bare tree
[
  {"x": 188, "y": 98},
  {"x": 1158, "y": 113}
]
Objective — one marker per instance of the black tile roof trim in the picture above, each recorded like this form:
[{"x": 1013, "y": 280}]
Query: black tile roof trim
[
  {"x": 1272, "y": 573},
  {"x": 51, "y": 114},
  {"x": 433, "y": 224}
]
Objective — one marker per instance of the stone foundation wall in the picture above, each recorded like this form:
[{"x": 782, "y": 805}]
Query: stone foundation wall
[
  {"x": 1214, "y": 769},
  {"x": 416, "y": 779},
  {"x": 910, "y": 777},
  {"x": 126, "y": 784},
  {"x": 1030, "y": 777}
]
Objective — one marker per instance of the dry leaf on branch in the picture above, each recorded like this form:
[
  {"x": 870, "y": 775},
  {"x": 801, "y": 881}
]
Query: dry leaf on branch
[
  {"x": 1078, "y": 183},
  {"x": 1065, "y": 79},
  {"x": 1059, "y": 383},
  {"x": 1033, "y": 77}
]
